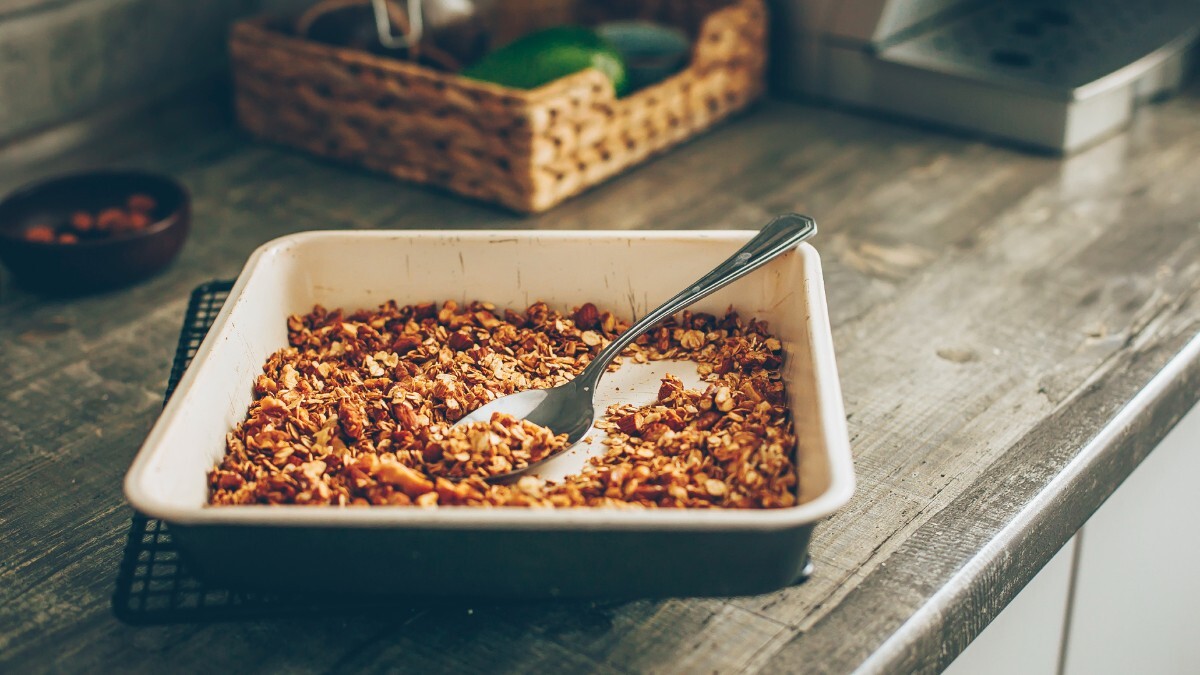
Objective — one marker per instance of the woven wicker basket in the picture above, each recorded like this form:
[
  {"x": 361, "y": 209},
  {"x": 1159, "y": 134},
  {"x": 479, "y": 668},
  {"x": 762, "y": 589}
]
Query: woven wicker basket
[{"x": 527, "y": 150}]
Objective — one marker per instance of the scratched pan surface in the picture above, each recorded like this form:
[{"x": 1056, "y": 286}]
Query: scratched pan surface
[{"x": 497, "y": 552}]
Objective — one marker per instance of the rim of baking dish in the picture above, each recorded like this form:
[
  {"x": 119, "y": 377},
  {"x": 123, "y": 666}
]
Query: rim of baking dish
[{"x": 836, "y": 438}]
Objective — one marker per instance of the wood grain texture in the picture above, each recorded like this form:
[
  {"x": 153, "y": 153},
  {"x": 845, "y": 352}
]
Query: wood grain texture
[{"x": 993, "y": 313}]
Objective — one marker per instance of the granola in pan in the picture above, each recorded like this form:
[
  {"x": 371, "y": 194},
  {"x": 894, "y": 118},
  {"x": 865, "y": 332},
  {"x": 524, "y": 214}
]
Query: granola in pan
[{"x": 360, "y": 410}]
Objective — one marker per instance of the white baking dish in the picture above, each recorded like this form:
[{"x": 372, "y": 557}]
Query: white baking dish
[{"x": 495, "y": 551}]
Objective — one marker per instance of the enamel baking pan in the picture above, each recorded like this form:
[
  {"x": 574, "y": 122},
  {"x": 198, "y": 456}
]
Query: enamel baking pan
[{"x": 496, "y": 552}]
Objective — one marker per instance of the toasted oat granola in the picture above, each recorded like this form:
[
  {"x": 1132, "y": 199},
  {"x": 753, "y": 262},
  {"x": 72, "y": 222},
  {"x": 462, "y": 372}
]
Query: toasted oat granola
[{"x": 360, "y": 409}]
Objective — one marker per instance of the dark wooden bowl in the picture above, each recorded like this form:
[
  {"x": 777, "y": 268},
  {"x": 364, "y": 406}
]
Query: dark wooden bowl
[{"x": 91, "y": 264}]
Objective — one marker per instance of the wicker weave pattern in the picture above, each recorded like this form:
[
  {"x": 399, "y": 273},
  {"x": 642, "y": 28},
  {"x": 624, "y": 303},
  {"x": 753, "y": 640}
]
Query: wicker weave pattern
[{"x": 527, "y": 150}]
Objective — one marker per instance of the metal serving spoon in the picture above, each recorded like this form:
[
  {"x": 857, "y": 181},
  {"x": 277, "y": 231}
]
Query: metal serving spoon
[{"x": 569, "y": 408}]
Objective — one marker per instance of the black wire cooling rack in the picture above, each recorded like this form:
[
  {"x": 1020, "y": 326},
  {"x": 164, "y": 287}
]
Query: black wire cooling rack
[{"x": 153, "y": 584}]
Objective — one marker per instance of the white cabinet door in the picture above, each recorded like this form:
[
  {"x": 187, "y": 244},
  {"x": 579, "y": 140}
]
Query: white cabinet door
[{"x": 1137, "y": 589}]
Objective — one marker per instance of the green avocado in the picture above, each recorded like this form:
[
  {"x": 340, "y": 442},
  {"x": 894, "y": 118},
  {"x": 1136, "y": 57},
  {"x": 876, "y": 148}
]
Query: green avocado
[{"x": 547, "y": 55}]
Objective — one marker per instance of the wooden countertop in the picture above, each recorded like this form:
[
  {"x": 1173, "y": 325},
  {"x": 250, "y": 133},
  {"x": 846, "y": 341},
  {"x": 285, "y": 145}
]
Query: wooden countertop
[{"x": 1014, "y": 333}]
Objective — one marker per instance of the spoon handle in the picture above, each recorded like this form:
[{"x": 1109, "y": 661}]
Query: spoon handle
[{"x": 776, "y": 237}]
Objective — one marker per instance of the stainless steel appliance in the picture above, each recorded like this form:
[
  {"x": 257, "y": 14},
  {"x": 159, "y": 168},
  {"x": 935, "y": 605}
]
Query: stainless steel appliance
[{"x": 1052, "y": 74}]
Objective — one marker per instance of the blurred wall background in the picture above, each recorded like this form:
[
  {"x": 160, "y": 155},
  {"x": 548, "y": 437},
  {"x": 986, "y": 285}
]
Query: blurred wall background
[{"x": 62, "y": 59}]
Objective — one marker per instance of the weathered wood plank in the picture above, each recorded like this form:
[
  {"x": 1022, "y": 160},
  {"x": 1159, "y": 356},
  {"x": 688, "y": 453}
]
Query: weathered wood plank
[
  {"x": 955, "y": 573},
  {"x": 991, "y": 309},
  {"x": 974, "y": 377}
]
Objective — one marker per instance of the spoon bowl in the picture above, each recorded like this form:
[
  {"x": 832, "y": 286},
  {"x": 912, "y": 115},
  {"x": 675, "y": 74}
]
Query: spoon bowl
[{"x": 569, "y": 408}]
